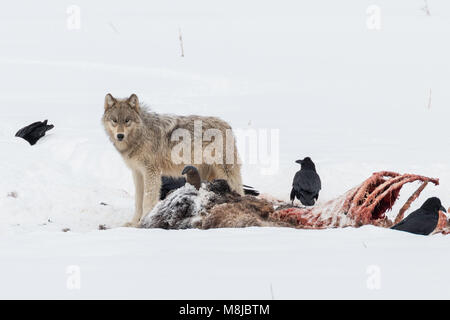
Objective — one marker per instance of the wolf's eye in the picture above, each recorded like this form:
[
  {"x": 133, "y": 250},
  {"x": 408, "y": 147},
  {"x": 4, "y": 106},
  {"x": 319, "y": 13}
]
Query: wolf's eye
[
  {"x": 114, "y": 121},
  {"x": 127, "y": 121}
]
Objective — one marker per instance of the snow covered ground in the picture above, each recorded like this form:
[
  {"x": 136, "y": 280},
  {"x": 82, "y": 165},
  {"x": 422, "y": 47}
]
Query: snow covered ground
[
  {"x": 256, "y": 263},
  {"x": 356, "y": 100}
]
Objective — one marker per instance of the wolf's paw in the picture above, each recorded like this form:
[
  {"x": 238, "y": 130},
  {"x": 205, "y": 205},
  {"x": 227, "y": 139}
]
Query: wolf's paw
[{"x": 130, "y": 225}]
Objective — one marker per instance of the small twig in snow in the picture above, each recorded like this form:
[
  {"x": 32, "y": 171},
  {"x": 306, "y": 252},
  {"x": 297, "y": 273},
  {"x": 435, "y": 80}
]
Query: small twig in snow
[
  {"x": 180, "y": 36},
  {"x": 426, "y": 9},
  {"x": 12, "y": 194},
  {"x": 113, "y": 27}
]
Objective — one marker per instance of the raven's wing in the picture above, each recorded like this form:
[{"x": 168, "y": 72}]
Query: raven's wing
[
  {"x": 307, "y": 180},
  {"x": 40, "y": 131},
  {"x": 292, "y": 197},
  {"x": 169, "y": 184},
  {"x": 418, "y": 222},
  {"x": 30, "y": 128}
]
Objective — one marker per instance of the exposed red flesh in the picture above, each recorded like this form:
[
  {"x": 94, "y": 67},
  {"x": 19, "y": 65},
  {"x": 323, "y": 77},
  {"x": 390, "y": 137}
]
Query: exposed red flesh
[{"x": 365, "y": 204}]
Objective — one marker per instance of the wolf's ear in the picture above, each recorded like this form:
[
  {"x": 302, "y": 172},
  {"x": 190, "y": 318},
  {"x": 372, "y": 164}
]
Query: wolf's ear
[
  {"x": 133, "y": 101},
  {"x": 109, "y": 101}
]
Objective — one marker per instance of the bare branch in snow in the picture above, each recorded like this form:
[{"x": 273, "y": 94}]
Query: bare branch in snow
[
  {"x": 426, "y": 8},
  {"x": 181, "y": 42},
  {"x": 113, "y": 27}
]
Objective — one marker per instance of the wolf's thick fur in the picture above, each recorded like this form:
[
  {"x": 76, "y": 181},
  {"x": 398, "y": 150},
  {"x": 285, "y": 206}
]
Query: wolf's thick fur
[{"x": 146, "y": 147}]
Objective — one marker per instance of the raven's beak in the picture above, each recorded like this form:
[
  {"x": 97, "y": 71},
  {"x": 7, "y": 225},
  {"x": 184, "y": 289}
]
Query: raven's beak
[
  {"x": 443, "y": 209},
  {"x": 299, "y": 161}
]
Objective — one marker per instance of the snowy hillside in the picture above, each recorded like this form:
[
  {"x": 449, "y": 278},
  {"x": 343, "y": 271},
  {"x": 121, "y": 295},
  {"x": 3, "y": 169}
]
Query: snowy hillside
[{"x": 354, "y": 96}]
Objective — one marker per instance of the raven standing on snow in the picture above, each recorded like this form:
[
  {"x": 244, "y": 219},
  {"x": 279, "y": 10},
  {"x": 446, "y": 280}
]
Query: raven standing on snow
[
  {"x": 424, "y": 220},
  {"x": 33, "y": 132},
  {"x": 306, "y": 185}
]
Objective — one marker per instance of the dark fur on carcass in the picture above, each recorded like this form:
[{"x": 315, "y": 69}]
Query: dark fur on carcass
[
  {"x": 224, "y": 208},
  {"x": 175, "y": 212},
  {"x": 215, "y": 206},
  {"x": 247, "y": 212},
  {"x": 227, "y": 209},
  {"x": 169, "y": 184}
]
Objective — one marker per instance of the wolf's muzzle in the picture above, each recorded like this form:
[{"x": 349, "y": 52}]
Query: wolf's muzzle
[{"x": 120, "y": 136}]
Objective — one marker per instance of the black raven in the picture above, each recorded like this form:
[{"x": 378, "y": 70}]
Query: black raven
[
  {"x": 306, "y": 184},
  {"x": 33, "y": 132},
  {"x": 424, "y": 220},
  {"x": 168, "y": 184},
  {"x": 192, "y": 176}
]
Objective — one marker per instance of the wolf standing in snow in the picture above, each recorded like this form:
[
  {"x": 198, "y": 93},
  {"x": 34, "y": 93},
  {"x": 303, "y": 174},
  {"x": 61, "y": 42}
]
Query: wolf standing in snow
[{"x": 145, "y": 141}]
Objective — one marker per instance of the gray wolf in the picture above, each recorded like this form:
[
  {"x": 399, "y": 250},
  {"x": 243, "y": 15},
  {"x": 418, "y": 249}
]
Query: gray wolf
[{"x": 145, "y": 140}]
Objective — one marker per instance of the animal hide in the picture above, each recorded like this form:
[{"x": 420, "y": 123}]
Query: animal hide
[{"x": 216, "y": 206}]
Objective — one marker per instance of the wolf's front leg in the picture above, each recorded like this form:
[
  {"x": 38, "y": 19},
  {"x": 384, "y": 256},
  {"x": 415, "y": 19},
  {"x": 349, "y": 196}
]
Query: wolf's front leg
[
  {"x": 152, "y": 189},
  {"x": 138, "y": 179}
]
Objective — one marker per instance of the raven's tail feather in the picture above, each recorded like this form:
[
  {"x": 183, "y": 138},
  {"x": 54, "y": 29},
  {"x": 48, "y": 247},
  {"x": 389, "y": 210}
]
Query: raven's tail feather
[{"x": 250, "y": 191}]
